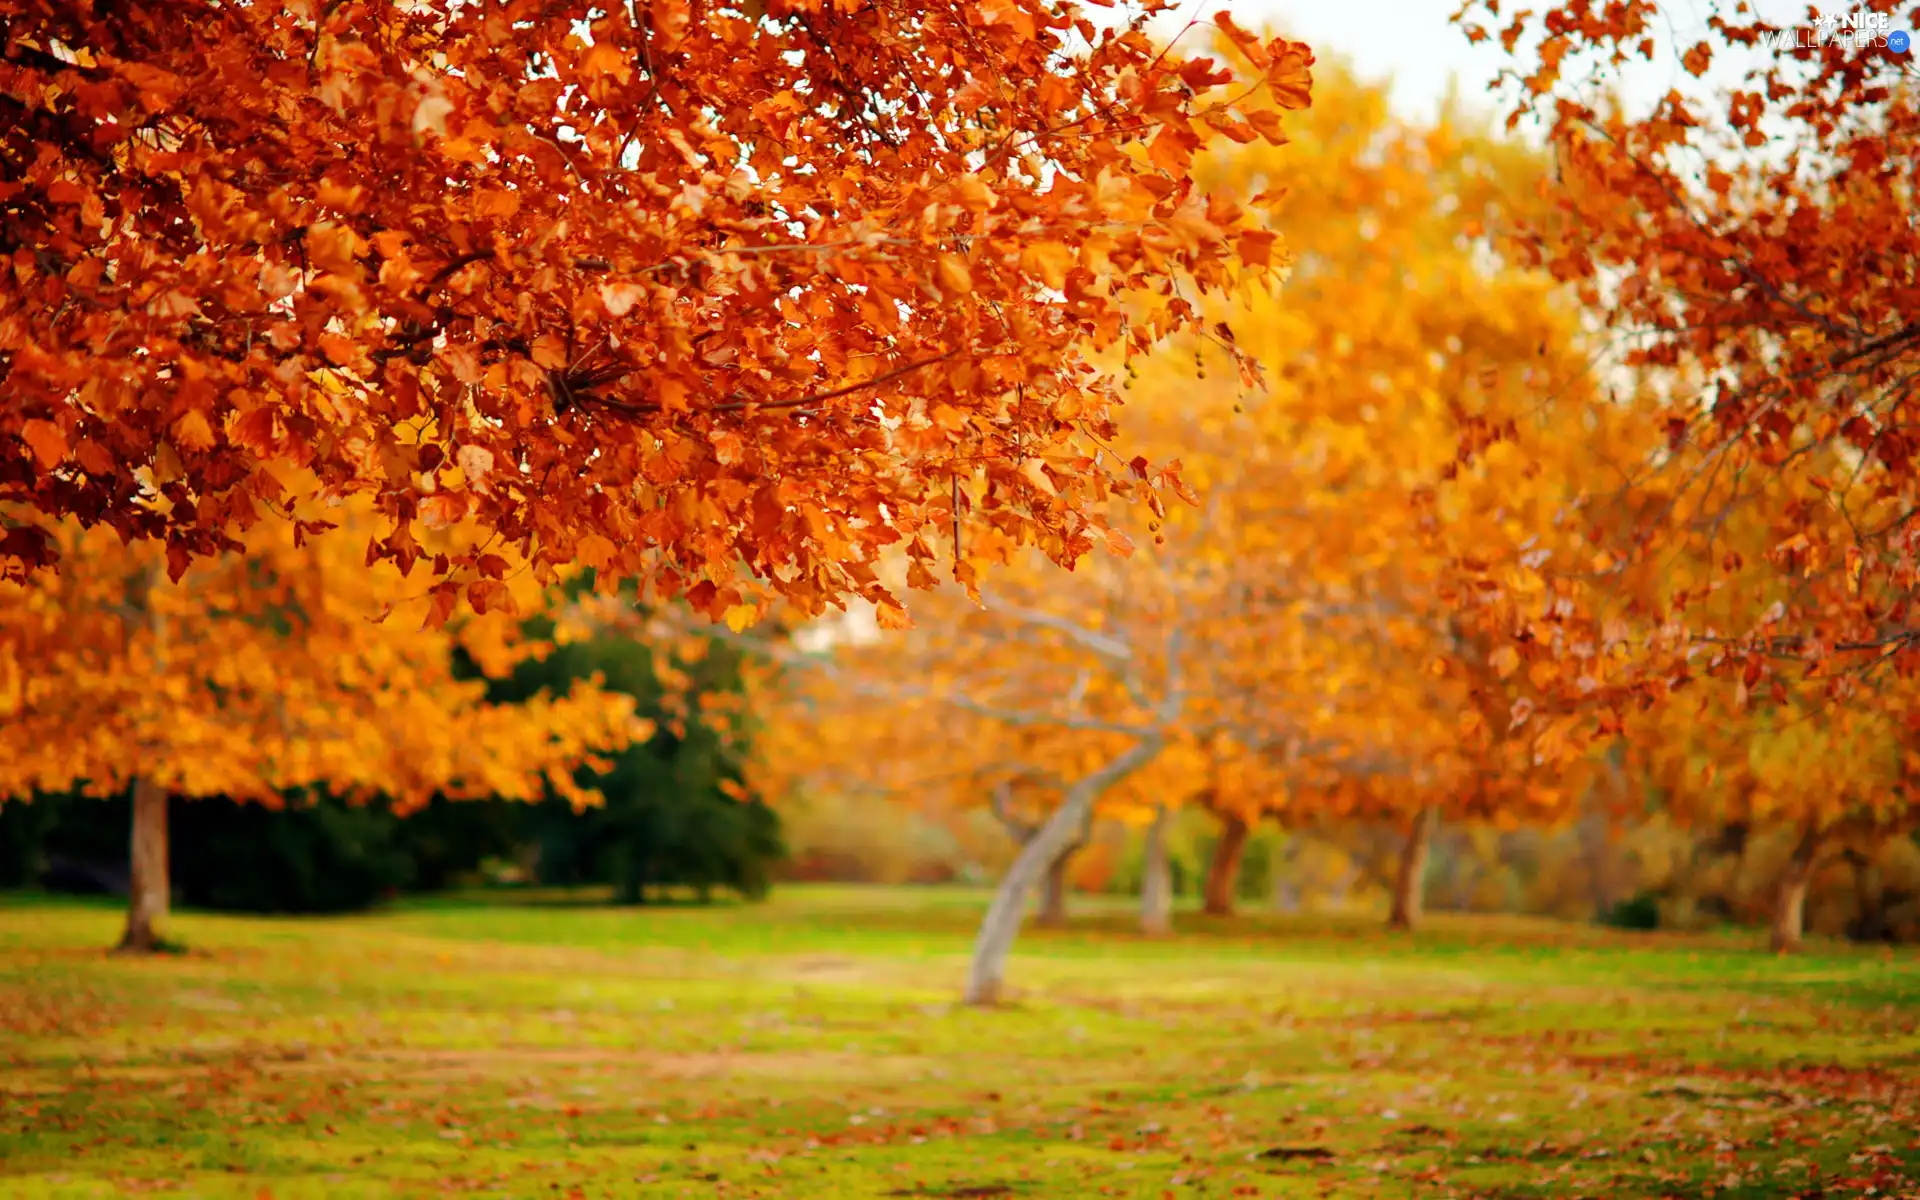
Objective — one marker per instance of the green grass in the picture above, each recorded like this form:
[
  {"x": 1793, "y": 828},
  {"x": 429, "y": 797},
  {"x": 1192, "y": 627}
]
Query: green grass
[{"x": 810, "y": 1047}]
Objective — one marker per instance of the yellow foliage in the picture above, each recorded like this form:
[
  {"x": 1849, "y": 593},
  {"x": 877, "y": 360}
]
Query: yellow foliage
[
  {"x": 1304, "y": 552},
  {"x": 271, "y": 668}
]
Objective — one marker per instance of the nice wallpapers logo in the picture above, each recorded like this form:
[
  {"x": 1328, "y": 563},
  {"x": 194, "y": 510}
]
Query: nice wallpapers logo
[{"x": 1858, "y": 30}]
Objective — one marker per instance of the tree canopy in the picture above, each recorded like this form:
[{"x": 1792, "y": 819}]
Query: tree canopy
[{"x": 720, "y": 298}]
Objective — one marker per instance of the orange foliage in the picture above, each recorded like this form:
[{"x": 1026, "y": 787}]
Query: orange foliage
[
  {"x": 1748, "y": 246},
  {"x": 1092, "y": 869},
  {"x": 1770, "y": 297},
  {"x": 721, "y": 299}
]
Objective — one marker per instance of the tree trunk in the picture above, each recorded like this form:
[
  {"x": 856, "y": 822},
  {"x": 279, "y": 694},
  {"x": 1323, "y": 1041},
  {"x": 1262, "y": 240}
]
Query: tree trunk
[
  {"x": 1053, "y": 895},
  {"x": 1009, "y": 908},
  {"x": 1409, "y": 886},
  {"x": 1870, "y": 900},
  {"x": 1286, "y": 890},
  {"x": 1223, "y": 872},
  {"x": 1596, "y": 843},
  {"x": 149, "y": 883},
  {"x": 1156, "y": 881},
  {"x": 1790, "y": 903},
  {"x": 149, "y": 887}
]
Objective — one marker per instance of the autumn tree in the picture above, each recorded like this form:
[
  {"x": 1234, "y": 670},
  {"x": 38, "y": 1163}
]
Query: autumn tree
[
  {"x": 1828, "y": 770},
  {"x": 1043, "y": 711},
  {"x": 720, "y": 298},
  {"x": 1432, "y": 423},
  {"x": 1048, "y": 696},
  {"x": 1831, "y": 782},
  {"x": 1237, "y": 804},
  {"x": 1021, "y": 786},
  {"x": 1311, "y": 568},
  {"x": 262, "y": 672},
  {"x": 842, "y": 726},
  {"x": 1748, "y": 246}
]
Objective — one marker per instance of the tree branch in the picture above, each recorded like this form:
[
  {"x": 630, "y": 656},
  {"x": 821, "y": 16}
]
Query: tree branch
[{"x": 1080, "y": 635}]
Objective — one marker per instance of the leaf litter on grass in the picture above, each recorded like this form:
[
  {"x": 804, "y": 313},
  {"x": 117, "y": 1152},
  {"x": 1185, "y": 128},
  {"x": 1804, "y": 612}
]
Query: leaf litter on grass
[{"x": 413, "y": 1053}]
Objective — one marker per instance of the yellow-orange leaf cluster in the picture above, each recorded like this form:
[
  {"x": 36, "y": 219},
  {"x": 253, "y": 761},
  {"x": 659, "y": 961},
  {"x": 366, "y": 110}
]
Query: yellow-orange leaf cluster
[{"x": 268, "y": 669}]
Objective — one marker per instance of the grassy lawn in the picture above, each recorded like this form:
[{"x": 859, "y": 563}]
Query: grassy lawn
[{"x": 809, "y": 1047}]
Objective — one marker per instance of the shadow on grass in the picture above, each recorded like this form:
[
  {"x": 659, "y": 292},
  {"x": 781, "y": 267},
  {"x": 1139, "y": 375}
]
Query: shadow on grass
[{"x": 34, "y": 898}]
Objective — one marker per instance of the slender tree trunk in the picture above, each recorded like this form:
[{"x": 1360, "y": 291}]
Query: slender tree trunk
[
  {"x": 1053, "y": 899},
  {"x": 1595, "y": 844},
  {"x": 1790, "y": 902},
  {"x": 1223, "y": 872},
  {"x": 1053, "y": 894},
  {"x": 1286, "y": 890},
  {"x": 149, "y": 886},
  {"x": 1409, "y": 886},
  {"x": 149, "y": 883},
  {"x": 1339, "y": 890},
  {"x": 1009, "y": 908},
  {"x": 1156, "y": 880}
]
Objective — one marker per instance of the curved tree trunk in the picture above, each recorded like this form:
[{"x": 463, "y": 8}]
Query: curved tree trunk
[
  {"x": 1410, "y": 883},
  {"x": 1004, "y": 916},
  {"x": 1223, "y": 871},
  {"x": 149, "y": 887},
  {"x": 1053, "y": 893},
  {"x": 1156, "y": 880},
  {"x": 1790, "y": 901},
  {"x": 1053, "y": 896}
]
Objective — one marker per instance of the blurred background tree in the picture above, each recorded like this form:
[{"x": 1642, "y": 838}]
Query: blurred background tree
[{"x": 675, "y": 813}]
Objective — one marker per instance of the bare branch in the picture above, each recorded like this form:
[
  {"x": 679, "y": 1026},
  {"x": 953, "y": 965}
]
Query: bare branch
[
  {"x": 999, "y": 801},
  {"x": 1025, "y": 718},
  {"x": 1080, "y": 635}
]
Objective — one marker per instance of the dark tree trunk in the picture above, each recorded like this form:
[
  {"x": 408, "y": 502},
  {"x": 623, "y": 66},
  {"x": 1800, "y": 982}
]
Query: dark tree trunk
[
  {"x": 149, "y": 883},
  {"x": 1223, "y": 871}
]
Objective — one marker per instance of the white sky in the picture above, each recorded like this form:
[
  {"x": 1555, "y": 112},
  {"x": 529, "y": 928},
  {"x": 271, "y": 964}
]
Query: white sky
[{"x": 1414, "y": 43}]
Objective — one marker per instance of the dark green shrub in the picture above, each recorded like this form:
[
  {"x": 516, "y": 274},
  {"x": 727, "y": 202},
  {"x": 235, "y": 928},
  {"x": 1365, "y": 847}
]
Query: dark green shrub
[
  {"x": 23, "y": 834},
  {"x": 1641, "y": 912},
  {"x": 314, "y": 855},
  {"x": 668, "y": 819}
]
